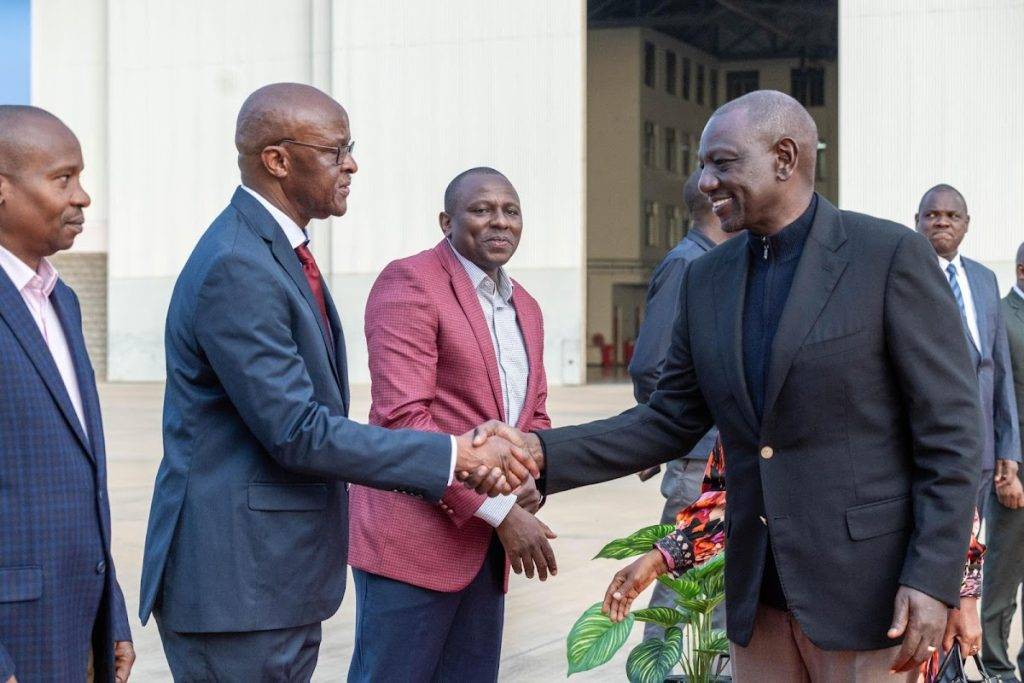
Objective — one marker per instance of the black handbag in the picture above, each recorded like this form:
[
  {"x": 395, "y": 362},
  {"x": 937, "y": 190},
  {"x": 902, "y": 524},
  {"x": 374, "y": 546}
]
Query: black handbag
[{"x": 952, "y": 669}]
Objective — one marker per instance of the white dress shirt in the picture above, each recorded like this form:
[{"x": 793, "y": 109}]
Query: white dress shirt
[
  {"x": 510, "y": 353},
  {"x": 35, "y": 288},
  {"x": 965, "y": 289},
  {"x": 296, "y": 238},
  {"x": 1019, "y": 292}
]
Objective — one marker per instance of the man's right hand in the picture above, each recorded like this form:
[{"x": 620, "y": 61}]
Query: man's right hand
[
  {"x": 1009, "y": 490},
  {"x": 525, "y": 539}
]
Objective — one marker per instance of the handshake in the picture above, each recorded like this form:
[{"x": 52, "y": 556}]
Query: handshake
[{"x": 496, "y": 458}]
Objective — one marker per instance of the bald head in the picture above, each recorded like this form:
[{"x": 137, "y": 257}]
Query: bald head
[
  {"x": 280, "y": 111},
  {"x": 451, "y": 193},
  {"x": 24, "y": 133},
  {"x": 772, "y": 116},
  {"x": 942, "y": 188}
]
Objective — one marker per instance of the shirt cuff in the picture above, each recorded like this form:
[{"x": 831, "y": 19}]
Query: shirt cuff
[
  {"x": 455, "y": 458},
  {"x": 495, "y": 510}
]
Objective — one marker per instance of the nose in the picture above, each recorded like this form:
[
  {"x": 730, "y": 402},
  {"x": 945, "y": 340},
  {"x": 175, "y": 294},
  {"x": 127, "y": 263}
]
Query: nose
[
  {"x": 707, "y": 183},
  {"x": 348, "y": 164},
  {"x": 500, "y": 219},
  {"x": 81, "y": 198}
]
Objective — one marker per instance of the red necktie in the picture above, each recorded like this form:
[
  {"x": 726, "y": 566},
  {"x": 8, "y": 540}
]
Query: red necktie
[{"x": 312, "y": 274}]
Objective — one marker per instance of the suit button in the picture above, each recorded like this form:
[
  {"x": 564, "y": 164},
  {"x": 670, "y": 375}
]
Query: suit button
[
  {"x": 101, "y": 566},
  {"x": 767, "y": 452}
]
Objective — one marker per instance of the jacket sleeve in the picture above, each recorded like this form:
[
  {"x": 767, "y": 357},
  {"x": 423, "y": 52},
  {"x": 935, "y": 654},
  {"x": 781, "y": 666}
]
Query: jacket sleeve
[
  {"x": 256, "y": 359},
  {"x": 401, "y": 337},
  {"x": 673, "y": 421},
  {"x": 940, "y": 390},
  {"x": 656, "y": 330},
  {"x": 6, "y": 665},
  {"x": 1007, "y": 428}
]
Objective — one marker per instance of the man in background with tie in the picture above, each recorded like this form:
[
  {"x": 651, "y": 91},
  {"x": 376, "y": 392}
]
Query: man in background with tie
[
  {"x": 62, "y": 612},
  {"x": 247, "y": 539},
  {"x": 942, "y": 217},
  {"x": 1004, "y": 562}
]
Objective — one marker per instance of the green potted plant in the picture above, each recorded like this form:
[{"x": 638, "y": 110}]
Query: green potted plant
[{"x": 689, "y": 640}]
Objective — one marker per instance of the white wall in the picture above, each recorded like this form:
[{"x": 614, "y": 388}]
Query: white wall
[
  {"x": 153, "y": 89},
  {"x": 930, "y": 92}
]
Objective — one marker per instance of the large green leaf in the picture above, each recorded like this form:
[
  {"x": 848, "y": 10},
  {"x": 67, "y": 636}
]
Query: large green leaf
[
  {"x": 637, "y": 543},
  {"x": 683, "y": 587},
  {"x": 651, "y": 661},
  {"x": 662, "y": 616},
  {"x": 716, "y": 643},
  {"x": 595, "y": 638}
]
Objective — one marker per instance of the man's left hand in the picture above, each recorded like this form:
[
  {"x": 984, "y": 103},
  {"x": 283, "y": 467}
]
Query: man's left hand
[
  {"x": 964, "y": 625},
  {"x": 921, "y": 620},
  {"x": 1009, "y": 489},
  {"x": 124, "y": 658},
  {"x": 528, "y": 496}
]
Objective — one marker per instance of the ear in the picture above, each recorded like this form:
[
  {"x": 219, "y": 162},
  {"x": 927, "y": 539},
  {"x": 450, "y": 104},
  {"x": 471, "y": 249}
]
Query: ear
[
  {"x": 276, "y": 161},
  {"x": 786, "y": 156},
  {"x": 917, "y": 220},
  {"x": 445, "y": 221},
  {"x": 1020, "y": 271},
  {"x": 967, "y": 223}
]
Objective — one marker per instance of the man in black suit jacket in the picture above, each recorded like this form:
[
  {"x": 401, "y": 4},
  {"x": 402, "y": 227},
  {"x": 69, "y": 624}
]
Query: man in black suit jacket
[{"x": 820, "y": 345}]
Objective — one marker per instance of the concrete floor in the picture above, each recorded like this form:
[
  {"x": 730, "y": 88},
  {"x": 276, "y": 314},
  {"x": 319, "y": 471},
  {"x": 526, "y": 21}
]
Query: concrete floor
[{"x": 538, "y": 616}]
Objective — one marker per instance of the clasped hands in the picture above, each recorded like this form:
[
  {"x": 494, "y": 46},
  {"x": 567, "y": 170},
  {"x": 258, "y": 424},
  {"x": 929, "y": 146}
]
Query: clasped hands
[{"x": 496, "y": 459}]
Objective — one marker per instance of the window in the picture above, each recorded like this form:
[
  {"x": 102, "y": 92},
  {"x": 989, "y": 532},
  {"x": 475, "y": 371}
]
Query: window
[
  {"x": 670, "y": 150},
  {"x": 649, "y": 144},
  {"x": 819, "y": 162},
  {"x": 740, "y": 83},
  {"x": 808, "y": 86},
  {"x": 649, "y": 65},
  {"x": 700, "y": 84},
  {"x": 675, "y": 224},
  {"x": 651, "y": 235},
  {"x": 670, "y": 72},
  {"x": 685, "y": 153},
  {"x": 686, "y": 78},
  {"x": 714, "y": 88}
]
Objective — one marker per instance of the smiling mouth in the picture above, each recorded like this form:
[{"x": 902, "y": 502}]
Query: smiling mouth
[{"x": 720, "y": 203}]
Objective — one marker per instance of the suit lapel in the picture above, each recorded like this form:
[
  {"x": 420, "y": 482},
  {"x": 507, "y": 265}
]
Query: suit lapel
[
  {"x": 980, "y": 302},
  {"x": 339, "y": 346},
  {"x": 63, "y": 305},
  {"x": 730, "y": 291},
  {"x": 530, "y": 328},
  {"x": 19, "y": 319},
  {"x": 816, "y": 276},
  {"x": 267, "y": 227},
  {"x": 470, "y": 304}
]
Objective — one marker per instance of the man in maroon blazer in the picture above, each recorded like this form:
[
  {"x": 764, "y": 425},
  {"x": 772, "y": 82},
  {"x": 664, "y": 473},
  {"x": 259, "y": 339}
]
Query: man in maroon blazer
[{"x": 453, "y": 341}]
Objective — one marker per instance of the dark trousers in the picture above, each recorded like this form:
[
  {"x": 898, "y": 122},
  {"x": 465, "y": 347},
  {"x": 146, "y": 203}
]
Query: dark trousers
[
  {"x": 411, "y": 634},
  {"x": 1003, "y": 575},
  {"x": 287, "y": 654}
]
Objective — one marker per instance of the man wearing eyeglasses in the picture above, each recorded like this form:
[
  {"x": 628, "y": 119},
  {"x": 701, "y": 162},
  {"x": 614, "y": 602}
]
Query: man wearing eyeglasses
[{"x": 247, "y": 540}]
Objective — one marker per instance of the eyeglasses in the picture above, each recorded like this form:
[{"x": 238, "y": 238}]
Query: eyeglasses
[{"x": 341, "y": 153}]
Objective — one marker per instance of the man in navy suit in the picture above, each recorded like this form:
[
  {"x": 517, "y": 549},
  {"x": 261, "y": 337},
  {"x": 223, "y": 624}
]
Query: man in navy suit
[
  {"x": 61, "y": 609},
  {"x": 248, "y": 531},
  {"x": 942, "y": 217}
]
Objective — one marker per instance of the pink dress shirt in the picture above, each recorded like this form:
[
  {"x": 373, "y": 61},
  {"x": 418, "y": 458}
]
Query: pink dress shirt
[{"x": 36, "y": 287}]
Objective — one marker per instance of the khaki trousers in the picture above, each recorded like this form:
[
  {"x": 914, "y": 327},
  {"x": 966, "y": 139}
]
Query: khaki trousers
[{"x": 779, "y": 652}]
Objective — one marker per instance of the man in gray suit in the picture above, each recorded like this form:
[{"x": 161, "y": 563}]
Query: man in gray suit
[
  {"x": 942, "y": 217},
  {"x": 683, "y": 476},
  {"x": 1004, "y": 563}
]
